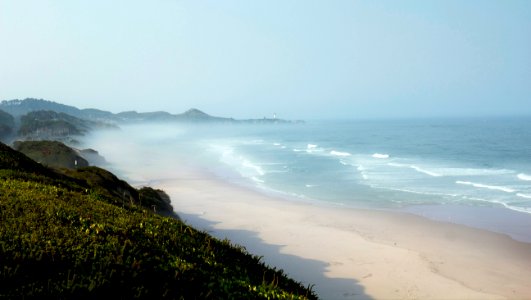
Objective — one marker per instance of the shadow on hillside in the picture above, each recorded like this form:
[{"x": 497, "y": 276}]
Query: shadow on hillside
[{"x": 306, "y": 271}]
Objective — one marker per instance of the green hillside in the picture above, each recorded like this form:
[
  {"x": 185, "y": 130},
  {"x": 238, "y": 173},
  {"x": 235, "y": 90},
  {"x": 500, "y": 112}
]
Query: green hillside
[
  {"x": 73, "y": 235},
  {"x": 51, "y": 153}
]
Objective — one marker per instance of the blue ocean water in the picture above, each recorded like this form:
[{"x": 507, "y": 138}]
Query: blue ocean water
[{"x": 382, "y": 164}]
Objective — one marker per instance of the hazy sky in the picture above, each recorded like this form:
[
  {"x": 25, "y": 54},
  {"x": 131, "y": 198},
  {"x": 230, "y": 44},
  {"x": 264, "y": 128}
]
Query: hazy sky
[{"x": 299, "y": 59}]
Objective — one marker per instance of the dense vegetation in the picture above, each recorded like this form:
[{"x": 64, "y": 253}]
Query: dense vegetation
[
  {"x": 7, "y": 124},
  {"x": 51, "y": 153},
  {"x": 71, "y": 234},
  {"x": 46, "y": 124}
]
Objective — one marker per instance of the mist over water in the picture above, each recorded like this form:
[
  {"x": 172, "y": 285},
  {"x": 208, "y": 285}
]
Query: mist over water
[{"x": 364, "y": 164}]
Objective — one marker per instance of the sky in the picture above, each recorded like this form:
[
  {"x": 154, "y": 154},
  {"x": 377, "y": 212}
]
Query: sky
[{"x": 300, "y": 59}]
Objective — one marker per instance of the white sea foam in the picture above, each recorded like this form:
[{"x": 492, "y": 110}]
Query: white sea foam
[
  {"x": 338, "y": 153},
  {"x": 520, "y": 209},
  {"x": 276, "y": 144},
  {"x": 420, "y": 192},
  {"x": 313, "y": 149},
  {"x": 380, "y": 156},
  {"x": 484, "y": 186},
  {"x": 297, "y": 150},
  {"x": 433, "y": 174},
  {"x": 524, "y": 177},
  {"x": 252, "y": 166},
  {"x": 416, "y": 168},
  {"x": 472, "y": 172},
  {"x": 506, "y": 205},
  {"x": 310, "y": 185},
  {"x": 242, "y": 164},
  {"x": 397, "y": 165},
  {"x": 257, "y": 179},
  {"x": 523, "y": 195},
  {"x": 448, "y": 171}
]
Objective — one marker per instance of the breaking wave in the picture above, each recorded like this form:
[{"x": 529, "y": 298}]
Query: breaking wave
[
  {"x": 416, "y": 168},
  {"x": 380, "y": 156},
  {"x": 523, "y": 195},
  {"x": 484, "y": 186},
  {"x": 338, "y": 153}
]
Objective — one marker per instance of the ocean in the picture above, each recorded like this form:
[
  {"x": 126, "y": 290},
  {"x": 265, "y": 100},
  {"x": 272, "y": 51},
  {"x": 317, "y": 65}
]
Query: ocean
[
  {"x": 385, "y": 163},
  {"x": 376, "y": 164}
]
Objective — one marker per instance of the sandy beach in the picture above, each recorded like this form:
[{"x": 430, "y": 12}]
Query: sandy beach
[{"x": 355, "y": 254}]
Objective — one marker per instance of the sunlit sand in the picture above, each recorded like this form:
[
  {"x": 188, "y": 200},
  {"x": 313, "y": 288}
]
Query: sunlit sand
[{"x": 350, "y": 253}]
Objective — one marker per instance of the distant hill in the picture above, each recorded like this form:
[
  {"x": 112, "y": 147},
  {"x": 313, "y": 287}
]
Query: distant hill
[
  {"x": 46, "y": 124},
  {"x": 52, "y": 154},
  {"x": 190, "y": 116},
  {"x": 135, "y": 117},
  {"x": 18, "y": 108},
  {"x": 85, "y": 234},
  {"x": 51, "y": 125},
  {"x": 7, "y": 125},
  {"x": 195, "y": 115}
]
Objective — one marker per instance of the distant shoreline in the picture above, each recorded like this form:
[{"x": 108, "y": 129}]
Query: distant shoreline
[{"x": 495, "y": 219}]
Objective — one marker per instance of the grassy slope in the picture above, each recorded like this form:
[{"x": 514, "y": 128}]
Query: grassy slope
[
  {"x": 62, "y": 238},
  {"x": 51, "y": 153}
]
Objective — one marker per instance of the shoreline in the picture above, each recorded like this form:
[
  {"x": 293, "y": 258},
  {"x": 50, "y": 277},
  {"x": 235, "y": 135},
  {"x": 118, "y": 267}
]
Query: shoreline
[
  {"x": 486, "y": 216},
  {"x": 496, "y": 219},
  {"x": 354, "y": 253}
]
